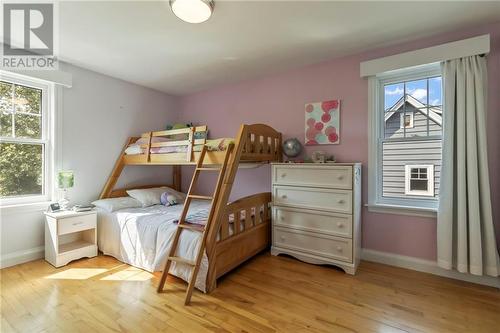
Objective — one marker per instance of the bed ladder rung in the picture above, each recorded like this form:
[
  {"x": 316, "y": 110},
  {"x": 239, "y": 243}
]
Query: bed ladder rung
[
  {"x": 193, "y": 227},
  {"x": 201, "y": 197},
  {"x": 209, "y": 169},
  {"x": 183, "y": 260}
]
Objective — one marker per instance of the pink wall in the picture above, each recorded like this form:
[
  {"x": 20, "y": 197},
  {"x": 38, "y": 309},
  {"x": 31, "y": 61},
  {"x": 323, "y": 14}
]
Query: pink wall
[{"x": 279, "y": 100}]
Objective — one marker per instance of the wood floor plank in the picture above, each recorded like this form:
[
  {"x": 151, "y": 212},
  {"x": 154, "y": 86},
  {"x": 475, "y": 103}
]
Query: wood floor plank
[{"x": 268, "y": 294}]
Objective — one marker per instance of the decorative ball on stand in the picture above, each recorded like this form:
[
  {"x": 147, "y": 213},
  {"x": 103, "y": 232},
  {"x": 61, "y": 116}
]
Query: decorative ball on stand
[{"x": 292, "y": 147}]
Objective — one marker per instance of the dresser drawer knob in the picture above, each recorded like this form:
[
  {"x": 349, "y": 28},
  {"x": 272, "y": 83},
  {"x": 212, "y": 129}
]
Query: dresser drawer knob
[
  {"x": 284, "y": 196},
  {"x": 283, "y": 175},
  {"x": 339, "y": 249},
  {"x": 340, "y": 224},
  {"x": 282, "y": 218},
  {"x": 282, "y": 238},
  {"x": 341, "y": 201},
  {"x": 77, "y": 223},
  {"x": 340, "y": 177}
]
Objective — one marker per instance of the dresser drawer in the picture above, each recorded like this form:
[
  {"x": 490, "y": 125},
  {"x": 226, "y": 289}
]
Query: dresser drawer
[
  {"x": 76, "y": 223},
  {"x": 316, "y": 198},
  {"x": 320, "y": 245},
  {"x": 313, "y": 221},
  {"x": 315, "y": 176}
]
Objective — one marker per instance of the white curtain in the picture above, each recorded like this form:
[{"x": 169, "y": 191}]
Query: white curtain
[{"x": 466, "y": 235}]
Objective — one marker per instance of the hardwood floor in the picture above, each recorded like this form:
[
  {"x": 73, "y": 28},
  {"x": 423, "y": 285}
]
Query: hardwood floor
[{"x": 268, "y": 294}]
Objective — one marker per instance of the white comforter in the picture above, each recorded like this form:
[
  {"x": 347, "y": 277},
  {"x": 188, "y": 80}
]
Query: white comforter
[{"x": 142, "y": 238}]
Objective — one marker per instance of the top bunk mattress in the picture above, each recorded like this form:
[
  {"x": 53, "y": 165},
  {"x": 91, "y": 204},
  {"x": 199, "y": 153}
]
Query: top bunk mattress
[{"x": 220, "y": 144}]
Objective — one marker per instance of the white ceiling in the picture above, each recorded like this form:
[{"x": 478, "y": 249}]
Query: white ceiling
[{"x": 144, "y": 43}]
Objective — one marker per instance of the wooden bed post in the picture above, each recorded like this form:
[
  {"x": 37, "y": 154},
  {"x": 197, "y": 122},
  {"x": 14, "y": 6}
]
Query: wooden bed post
[
  {"x": 221, "y": 207},
  {"x": 177, "y": 177},
  {"x": 117, "y": 170},
  {"x": 148, "y": 148}
]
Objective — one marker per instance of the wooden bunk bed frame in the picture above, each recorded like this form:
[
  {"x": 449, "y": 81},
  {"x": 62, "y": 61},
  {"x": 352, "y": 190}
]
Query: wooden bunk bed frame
[{"x": 256, "y": 143}]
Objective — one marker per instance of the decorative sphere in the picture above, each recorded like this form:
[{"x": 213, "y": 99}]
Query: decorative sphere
[{"x": 292, "y": 147}]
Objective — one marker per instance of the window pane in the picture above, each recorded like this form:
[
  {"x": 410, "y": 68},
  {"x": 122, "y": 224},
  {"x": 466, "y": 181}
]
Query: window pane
[
  {"x": 21, "y": 169},
  {"x": 407, "y": 121},
  {"x": 28, "y": 126},
  {"x": 417, "y": 89},
  {"x": 27, "y": 99},
  {"x": 5, "y": 97},
  {"x": 435, "y": 91},
  {"x": 5, "y": 124},
  {"x": 418, "y": 185},
  {"x": 401, "y": 161},
  {"x": 392, "y": 94}
]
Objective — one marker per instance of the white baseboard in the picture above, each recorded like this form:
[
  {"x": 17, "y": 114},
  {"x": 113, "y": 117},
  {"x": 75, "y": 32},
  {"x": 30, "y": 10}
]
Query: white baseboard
[
  {"x": 426, "y": 266},
  {"x": 20, "y": 257}
]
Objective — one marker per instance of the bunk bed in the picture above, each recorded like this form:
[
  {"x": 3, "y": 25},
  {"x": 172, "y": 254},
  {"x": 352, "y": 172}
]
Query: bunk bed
[{"x": 241, "y": 228}]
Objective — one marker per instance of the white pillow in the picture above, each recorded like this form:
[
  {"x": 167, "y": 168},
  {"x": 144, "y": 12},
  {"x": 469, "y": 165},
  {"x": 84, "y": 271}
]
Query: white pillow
[
  {"x": 113, "y": 204},
  {"x": 151, "y": 196},
  {"x": 134, "y": 150}
]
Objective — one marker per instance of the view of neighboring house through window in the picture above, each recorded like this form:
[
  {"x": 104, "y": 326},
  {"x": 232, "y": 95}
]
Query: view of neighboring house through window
[
  {"x": 412, "y": 137},
  {"x": 24, "y": 139}
]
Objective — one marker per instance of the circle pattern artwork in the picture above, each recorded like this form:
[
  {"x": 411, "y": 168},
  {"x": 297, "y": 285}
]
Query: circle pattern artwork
[{"x": 322, "y": 122}]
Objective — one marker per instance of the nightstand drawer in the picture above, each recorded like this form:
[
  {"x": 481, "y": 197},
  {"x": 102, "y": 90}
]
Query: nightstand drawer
[
  {"x": 316, "y": 198},
  {"x": 314, "y": 221},
  {"x": 320, "y": 245},
  {"x": 314, "y": 175},
  {"x": 77, "y": 223}
]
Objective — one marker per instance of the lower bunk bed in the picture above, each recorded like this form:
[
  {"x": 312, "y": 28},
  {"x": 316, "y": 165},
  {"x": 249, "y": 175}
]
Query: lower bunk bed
[
  {"x": 236, "y": 230},
  {"x": 142, "y": 237}
]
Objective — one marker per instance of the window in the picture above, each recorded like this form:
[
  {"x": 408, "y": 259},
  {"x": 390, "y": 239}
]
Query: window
[
  {"x": 25, "y": 152},
  {"x": 406, "y": 138},
  {"x": 419, "y": 180},
  {"x": 406, "y": 120}
]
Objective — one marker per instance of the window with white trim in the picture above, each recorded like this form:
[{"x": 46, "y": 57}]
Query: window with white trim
[
  {"x": 406, "y": 138},
  {"x": 419, "y": 180},
  {"x": 25, "y": 140},
  {"x": 406, "y": 120}
]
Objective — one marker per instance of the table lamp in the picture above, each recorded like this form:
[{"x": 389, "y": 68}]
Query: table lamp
[{"x": 65, "y": 180}]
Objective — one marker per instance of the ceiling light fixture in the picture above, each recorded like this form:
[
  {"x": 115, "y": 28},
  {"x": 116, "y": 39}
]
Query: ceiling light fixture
[{"x": 192, "y": 11}]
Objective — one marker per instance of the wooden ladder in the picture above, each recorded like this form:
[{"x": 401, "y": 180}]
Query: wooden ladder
[{"x": 182, "y": 225}]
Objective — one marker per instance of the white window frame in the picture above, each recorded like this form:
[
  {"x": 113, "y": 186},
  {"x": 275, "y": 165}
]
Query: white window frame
[
  {"x": 417, "y": 206},
  {"x": 47, "y": 139},
  {"x": 430, "y": 180},
  {"x": 402, "y": 119}
]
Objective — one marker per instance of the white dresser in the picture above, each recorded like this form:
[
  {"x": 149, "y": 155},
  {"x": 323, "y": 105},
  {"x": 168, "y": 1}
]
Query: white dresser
[{"x": 317, "y": 213}]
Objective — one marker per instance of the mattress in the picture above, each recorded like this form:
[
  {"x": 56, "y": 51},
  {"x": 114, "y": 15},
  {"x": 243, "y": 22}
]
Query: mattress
[
  {"x": 142, "y": 237},
  {"x": 212, "y": 145}
]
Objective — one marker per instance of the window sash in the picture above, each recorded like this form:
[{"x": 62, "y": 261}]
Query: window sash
[
  {"x": 46, "y": 130},
  {"x": 377, "y": 137}
]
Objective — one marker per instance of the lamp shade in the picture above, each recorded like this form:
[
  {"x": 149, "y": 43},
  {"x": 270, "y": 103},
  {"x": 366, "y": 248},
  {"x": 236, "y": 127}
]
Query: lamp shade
[{"x": 65, "y": 179}]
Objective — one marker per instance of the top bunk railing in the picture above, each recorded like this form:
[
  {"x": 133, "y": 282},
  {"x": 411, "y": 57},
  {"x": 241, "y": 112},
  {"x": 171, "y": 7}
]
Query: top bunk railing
[
  {"x": 260, "y": 143},
  {"x": 178, "y": 145}
]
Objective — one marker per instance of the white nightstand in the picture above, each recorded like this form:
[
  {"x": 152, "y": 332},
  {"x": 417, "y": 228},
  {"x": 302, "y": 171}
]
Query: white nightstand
[{"x": 69, "y": 236}]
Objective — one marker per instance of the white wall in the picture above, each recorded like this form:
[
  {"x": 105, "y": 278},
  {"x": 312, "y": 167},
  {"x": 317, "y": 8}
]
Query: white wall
[{"x": 98, "y": 114}]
